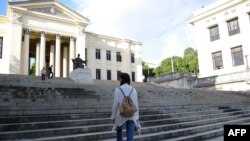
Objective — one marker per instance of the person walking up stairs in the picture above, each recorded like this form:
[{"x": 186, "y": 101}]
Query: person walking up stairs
[{"x": 119, "y": 115}]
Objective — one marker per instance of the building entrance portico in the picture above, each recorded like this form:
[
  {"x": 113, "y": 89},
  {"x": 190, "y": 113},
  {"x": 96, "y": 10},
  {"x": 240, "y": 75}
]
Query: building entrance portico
[
  {"x": 47, "y": 32},
  {"x": 46, "y": 49}
]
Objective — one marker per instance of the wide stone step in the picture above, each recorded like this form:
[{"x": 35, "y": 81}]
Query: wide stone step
[
  {"x": 181, "y": 117},
  {"x": 56, "y": 120},
  {"x": 190, "y": 130},
  {"x": 147, "y": 137},
  {"x": 44, "y": 108},
  {"x": 79, "y": 108},
  {"x": 199, "y": 136},
  {"x": 100, "y": 128},
  {"x": 40, "y": 118},
  {"x": 181, "y": 125},
  {"x": 18, "y": 119},
  {"x": 194, "y": 137},
  {"x": 208, "y": 135}
]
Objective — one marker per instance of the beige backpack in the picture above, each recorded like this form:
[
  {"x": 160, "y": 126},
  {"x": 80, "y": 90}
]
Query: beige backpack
[{"x": 127, "y": 108}]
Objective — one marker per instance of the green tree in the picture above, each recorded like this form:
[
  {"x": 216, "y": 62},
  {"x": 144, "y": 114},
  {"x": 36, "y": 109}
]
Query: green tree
[
  {"x": 33, "y": 69},
  {"x": 185, "y": 65},
  {"x": 166, "y": 66},
  {"x": 190, "y": 61}
]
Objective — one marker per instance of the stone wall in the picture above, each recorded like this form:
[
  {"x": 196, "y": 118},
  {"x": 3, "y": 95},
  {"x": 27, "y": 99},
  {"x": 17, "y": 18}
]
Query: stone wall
[
  {"x": 175, "y": 80},
  {"x": 238, "y": 81}
]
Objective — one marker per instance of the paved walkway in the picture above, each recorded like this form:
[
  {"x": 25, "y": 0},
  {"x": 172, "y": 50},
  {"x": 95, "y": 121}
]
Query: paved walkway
[{"x": 216, "y": 139}]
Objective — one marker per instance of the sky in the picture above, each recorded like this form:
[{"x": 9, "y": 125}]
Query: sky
[
  {"x": 3, "y": 5},
  {"x": 161, "y": 25}
]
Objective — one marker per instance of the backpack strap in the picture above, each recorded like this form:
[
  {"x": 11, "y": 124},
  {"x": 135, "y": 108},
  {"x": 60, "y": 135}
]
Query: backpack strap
[
  {"x": 124, "y": 93},
  {"x": 131, "y": 91}
]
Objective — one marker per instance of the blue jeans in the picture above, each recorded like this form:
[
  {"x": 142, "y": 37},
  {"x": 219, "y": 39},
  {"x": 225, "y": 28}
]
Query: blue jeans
[{"x": 130, "y": 127}]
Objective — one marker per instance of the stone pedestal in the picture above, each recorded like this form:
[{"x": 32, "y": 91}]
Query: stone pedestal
[{"x": 81, "y": 75}]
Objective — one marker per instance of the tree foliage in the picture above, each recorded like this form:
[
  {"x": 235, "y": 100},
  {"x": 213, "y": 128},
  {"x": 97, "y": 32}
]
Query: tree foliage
[
  {"x": 190, "y": 59},
  {"x": 33, "y": 69},
  {"x": 147, "y": 71},
  {"x": 187, "y": 64},
  {"x": 166, "y": 66}
]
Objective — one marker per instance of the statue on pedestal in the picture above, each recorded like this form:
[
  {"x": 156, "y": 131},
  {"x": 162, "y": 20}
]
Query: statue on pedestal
[
  {"x": 78, "y": 62},
  {"x": 81, "y": 75}
]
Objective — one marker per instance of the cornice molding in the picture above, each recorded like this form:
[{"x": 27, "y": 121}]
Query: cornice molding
[
  {"x": 4, "y": 19},
  {"x": 113, "y": 38},
  {"x": 45, "y": 3},
  {"x": 214, "y": 9}
]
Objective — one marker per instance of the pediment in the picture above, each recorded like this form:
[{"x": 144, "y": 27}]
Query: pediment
[
  {"x": 51, "y": 7},
  {"x": 51, "y": 10}
]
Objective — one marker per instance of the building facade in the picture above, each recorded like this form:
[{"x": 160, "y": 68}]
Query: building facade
[
  {"x": 46, "y": 32},
  {"x": 222, "y": 38}
]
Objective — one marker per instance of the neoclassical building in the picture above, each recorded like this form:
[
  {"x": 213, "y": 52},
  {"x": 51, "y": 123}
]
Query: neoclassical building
[
  {"x": 46, "y": 32},
  {"x": 222, "y": 38}
]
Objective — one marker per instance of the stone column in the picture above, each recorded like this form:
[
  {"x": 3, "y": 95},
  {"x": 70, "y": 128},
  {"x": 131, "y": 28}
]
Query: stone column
[
  {"x": 26, "y": 52},
  {"x": 129, "y": 61},
  {"x": 42, "y": 50},
  {"x": 52, "y": 56},
  {"x": 71, "y": 53},
  {"x": 103, "y": 64},
  {"x": 244, "y": 36},
  {"x": 80, "y": 45},
  {"x": 126, "y": 63},
  {"x": 114, "y": 64},
  {"x": 65, "y": 63},
  {"x": 138, "y": 64},
  {"x": 58, "y": 56},
  {"x": 22, "y": 57},
  {"x": 38, "y": 59}
]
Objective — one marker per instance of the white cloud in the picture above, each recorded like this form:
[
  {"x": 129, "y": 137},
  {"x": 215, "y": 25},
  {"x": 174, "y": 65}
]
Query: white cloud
[
  {"x": 159, "y": 24},
  {"x": 178, "y": 41},
  {"x": 104, "y": 14}
]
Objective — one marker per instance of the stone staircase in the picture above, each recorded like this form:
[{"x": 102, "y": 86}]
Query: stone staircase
[{"x": 61, "y": 110}]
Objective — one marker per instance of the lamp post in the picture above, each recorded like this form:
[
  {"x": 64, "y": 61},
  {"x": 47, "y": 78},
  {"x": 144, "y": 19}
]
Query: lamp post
[
  {"x": 172, "y": 64},
  {"x": 148, "y": 75},
  {"x": 148, "y": 69},
  {"x": 247, "y": 61}
]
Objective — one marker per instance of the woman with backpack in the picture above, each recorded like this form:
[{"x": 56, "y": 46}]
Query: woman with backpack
[{"x": 125, "y": 109}]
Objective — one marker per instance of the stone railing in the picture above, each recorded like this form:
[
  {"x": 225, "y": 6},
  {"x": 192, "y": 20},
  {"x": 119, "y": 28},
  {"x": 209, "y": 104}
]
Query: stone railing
[
  {"x": 164, "y": 78},
  {"x": 226, "y": 78},
  {"x": 178, "y": 80},
  {"x": 175, "y": 80}
]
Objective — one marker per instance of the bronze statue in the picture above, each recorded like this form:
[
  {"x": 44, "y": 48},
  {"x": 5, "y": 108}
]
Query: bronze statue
[{"x": 78, "y": 62}]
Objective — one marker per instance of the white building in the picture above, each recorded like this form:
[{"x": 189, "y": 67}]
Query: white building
[
  {"x": 222, "y": 37},
  {"x": 52, "y": 34}
]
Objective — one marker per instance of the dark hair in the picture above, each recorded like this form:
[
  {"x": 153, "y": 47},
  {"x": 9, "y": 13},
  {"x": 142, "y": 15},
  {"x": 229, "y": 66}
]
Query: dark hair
[{"x": 125, "y": 78}]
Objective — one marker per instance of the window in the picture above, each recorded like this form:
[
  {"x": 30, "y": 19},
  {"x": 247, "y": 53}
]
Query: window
[
  {"x": 132, "y": 58},
  {"x": 108, "y": 74},
  {"x": 217, "y": 60},
  {"x": 1, "y": 47},
  {"x": 118, "y": 57},
  {"x": 108, "y": 55},
  {"x": 97, "y": 53},
  {"x": 237, "y": 56},
  {"x": 133, "y": 76},
  {"x": 98, "y": 74},
  {"x": 118, "y": 74},
  {"x": 214, "y": 33},
  {"x": 233, "y": 27}
]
